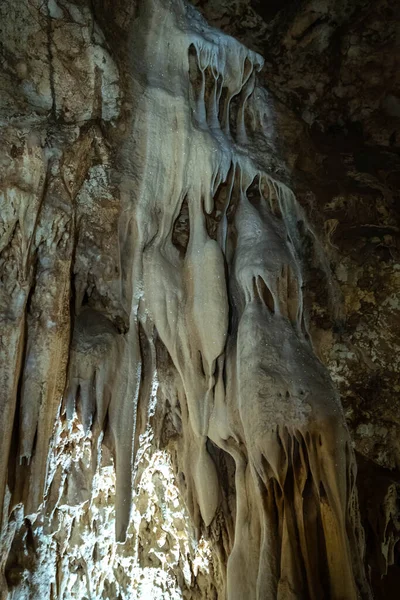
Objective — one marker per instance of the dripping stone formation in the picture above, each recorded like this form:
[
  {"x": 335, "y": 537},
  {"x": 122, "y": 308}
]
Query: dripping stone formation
[{"x": 154, "y": 297}]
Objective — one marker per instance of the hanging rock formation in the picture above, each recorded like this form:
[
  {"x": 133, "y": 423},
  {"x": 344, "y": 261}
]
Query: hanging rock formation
[{"x": 157, "y": 329}]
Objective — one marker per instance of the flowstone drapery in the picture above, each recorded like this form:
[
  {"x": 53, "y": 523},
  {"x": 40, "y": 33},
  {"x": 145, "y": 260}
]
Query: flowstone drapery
[
  {"x": 228, "y": 307},
  {"x": 212, "y": 280}
]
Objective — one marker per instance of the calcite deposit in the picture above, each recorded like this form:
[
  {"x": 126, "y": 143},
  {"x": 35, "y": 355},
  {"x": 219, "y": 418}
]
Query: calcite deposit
[{"x": 171, "y": 305}]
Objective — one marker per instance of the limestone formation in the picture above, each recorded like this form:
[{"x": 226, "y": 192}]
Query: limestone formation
[{"x": 157, "y": 330}]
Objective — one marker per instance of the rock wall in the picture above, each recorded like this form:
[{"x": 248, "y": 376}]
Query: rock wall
[{"x": 169, "y": 312}]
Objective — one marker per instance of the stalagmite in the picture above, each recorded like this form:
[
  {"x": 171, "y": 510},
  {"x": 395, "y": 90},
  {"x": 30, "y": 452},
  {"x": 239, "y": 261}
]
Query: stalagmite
[{"x": 224, "y": 312}]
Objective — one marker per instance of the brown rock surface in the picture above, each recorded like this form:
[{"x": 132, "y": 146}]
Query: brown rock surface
[{"x": 164, "y": 299}]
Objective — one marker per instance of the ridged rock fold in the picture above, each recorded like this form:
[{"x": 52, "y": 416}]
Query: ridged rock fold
[{"x": 156, "y": 328}]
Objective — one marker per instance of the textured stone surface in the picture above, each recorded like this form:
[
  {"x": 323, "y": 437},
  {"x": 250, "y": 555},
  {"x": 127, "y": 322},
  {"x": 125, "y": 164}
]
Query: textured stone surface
[
  {"x": 331, "y": 68},
  {"x": 86, "y": 346}
]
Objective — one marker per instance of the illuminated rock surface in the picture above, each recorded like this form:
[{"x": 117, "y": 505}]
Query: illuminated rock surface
[{"x": 173, "y": 314}]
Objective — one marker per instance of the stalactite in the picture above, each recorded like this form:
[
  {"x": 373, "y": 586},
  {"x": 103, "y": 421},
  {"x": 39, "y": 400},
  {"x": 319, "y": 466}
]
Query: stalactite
[
  {"x": 297, "y": 464},
  {"x": 228, "y": 309}
]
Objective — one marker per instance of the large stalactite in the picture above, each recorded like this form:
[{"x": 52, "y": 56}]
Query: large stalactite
[{"x": 154, "y": 303}]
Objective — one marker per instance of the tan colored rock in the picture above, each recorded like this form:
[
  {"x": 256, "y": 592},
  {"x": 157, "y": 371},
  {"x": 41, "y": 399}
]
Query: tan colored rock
[{"x": 168, "y": 429}]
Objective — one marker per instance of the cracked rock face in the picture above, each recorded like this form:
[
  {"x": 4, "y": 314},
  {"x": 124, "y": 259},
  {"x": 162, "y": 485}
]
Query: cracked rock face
[{"x": 198, "y": 300}]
